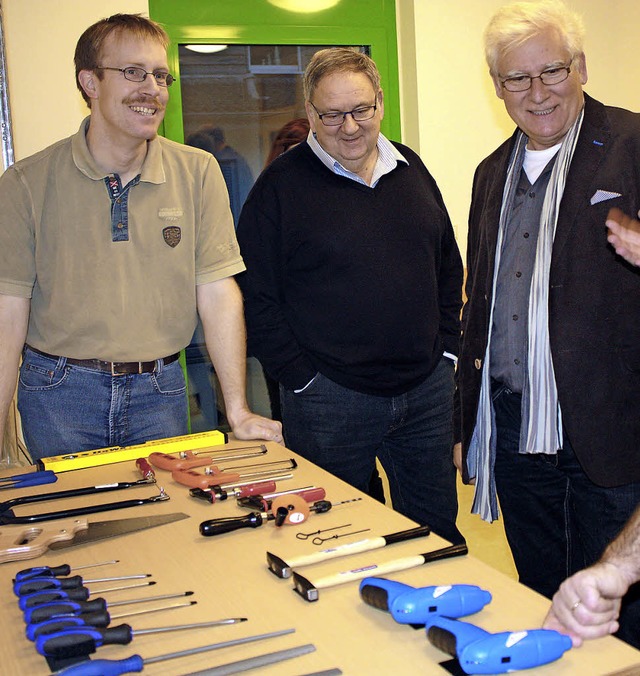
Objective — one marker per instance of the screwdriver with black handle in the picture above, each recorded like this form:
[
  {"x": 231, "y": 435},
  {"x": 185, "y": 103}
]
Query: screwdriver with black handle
[{"x": 83, "y": 641}]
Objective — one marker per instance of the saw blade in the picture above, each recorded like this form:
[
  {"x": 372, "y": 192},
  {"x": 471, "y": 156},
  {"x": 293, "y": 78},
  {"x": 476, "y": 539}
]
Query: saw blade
[{"x": 100, "y": 530}]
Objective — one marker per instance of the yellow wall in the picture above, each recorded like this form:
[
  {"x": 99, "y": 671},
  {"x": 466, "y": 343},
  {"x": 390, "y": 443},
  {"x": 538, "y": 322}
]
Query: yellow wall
[{"x": 450, "y": 113}]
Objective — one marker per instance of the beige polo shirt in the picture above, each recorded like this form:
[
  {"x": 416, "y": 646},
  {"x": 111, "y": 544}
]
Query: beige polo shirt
[{"x": 92, "y": 297}]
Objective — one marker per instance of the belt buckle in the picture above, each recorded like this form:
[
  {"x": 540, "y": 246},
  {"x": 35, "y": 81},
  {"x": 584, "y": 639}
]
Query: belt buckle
[{"x": 115, "y": 372}]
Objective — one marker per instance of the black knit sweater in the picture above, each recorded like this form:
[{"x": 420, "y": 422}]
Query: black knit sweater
[{"x": 361, "y": 284}]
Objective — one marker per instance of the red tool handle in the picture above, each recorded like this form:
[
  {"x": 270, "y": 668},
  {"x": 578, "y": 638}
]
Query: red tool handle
[
  {"x": 145, "y": 469},
  {"x": 194, "y": 479},
  {"x": 254, "y": 489},
  {"x": 171, "y": 463}
]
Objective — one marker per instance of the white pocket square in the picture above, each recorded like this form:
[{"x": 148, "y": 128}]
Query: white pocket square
[{"x": 603, "y": 195}]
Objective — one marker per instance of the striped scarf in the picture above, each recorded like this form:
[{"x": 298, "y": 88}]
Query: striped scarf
[{"x": 541, "y": 426}]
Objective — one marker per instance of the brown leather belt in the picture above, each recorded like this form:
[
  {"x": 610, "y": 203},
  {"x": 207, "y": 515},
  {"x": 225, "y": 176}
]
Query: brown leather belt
[{"x": 115, "y": 368}]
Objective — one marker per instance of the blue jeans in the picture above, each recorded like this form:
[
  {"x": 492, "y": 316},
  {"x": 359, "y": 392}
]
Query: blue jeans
[
  {"x": 557, "y": 521},
  {"x": 67, "y": 408},
  {"x": 343, "y": 431}
]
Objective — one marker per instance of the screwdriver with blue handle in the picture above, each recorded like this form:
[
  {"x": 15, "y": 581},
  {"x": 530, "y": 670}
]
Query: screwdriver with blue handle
[
  {"x": 39, "y": 598},
  {"x": 83, "y": 641},
  {"x": 480, "y": 652},
  {"x": 98, "y": 619},
  {"x": 411, "y": 605},
  {"x": 55, "y": 571},
  {"x": 70, "y": 608},
  {"x": 36, "y": 584},
  {"x": 46, "y": 476},
  {"x": 136, "y": 663}
]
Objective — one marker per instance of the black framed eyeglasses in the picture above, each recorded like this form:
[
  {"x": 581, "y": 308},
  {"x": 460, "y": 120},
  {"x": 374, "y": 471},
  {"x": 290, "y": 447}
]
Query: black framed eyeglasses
[
  {"x": 134, "y": 74},
  {"x": 335, "y": 119},
  {"x": 550, "y": 76}
]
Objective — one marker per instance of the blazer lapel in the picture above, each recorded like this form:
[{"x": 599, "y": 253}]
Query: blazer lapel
[{"x": 590, "y": 150}]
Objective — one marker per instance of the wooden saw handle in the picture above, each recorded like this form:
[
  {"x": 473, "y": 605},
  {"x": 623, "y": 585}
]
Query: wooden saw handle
[{"x": 27, "y": 542}]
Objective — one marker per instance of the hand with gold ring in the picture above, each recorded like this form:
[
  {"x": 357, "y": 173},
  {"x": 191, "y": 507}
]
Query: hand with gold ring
[{"x": 587, "y": 604}]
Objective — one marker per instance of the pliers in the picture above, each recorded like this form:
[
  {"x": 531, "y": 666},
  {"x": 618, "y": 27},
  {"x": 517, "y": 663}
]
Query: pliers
[{"x": 47, "y": 476}]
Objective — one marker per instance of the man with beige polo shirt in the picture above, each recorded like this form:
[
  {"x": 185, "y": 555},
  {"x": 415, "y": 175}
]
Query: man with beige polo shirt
[{"x": 111, "y": 243}]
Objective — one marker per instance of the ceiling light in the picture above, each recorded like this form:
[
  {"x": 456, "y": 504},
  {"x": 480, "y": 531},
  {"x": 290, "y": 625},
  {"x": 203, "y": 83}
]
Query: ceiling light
[
  {"x": 206, "y": 49},
  {"x": 304, "y": 6}
]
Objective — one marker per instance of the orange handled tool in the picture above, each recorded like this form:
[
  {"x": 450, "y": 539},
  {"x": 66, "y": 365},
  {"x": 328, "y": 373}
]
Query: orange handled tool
[{"x": 188, "y": 459}]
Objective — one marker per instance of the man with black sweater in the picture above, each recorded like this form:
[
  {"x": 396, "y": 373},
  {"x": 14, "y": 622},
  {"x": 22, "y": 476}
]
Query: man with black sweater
[{"x": 353, "y": 294}]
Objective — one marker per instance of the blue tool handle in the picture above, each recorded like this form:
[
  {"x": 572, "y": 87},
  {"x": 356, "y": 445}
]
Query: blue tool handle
[
  {"x": 40, "y": 598},
  {"x": 36, "y": 584},
  {"x": 54, "y": 625},
  {"x": 480, "y": 652},
  {"x": 410, "y": 605},
  {"x": 42, "y": 571},
  {"x": 133, "y": 664},
  {"x": 62, "y": 609},
  {"x": 37, "y": 479}
]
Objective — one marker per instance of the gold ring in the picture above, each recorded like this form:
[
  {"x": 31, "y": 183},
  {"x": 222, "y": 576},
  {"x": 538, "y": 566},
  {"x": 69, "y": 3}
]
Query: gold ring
[{"x": 575, "y": 605}]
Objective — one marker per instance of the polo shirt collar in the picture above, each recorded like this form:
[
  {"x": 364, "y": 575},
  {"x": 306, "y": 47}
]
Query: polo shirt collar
[{"x": 152, "y": 168}]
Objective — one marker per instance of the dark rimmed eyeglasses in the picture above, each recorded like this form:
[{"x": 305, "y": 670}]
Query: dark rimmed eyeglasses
[
  {"x": 550, "y": 76},
  {"x": 335, "y": 119},
  {"x": 140, "y": 74}
]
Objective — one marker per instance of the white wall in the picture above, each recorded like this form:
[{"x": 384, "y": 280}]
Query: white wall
[
  {"x": 461, "y": 119},
  {"x": 450, "y": 112}
]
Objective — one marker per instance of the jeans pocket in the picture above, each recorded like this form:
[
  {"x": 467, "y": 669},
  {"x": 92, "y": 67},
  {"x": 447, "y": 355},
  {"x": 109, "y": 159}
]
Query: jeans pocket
[
  {"x": 39, "y": 373},
  {"x": 170, "y": 380},
  {"x": 309, "y": 386}
]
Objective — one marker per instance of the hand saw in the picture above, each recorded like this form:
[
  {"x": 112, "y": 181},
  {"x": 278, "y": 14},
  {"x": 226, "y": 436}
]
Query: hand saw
[{"x": 18, "y": 543}]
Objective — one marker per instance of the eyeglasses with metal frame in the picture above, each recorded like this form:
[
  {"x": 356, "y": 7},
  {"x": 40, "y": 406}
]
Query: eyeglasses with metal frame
[
  {"x": 134, "y": 74},
  {"x": 335, "y": 119},
  {"x": 550, "y": 76}
]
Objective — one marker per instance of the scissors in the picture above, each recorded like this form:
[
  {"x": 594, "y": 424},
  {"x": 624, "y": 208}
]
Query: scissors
[{"x": 47, "y": 476}]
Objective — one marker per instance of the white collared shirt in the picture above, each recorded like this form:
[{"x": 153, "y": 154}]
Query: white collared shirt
[{"x": 388, "y": 158}]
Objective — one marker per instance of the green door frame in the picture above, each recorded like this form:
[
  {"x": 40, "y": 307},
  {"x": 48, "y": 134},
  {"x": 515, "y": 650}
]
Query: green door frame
[{"x": 350, "y": 22}]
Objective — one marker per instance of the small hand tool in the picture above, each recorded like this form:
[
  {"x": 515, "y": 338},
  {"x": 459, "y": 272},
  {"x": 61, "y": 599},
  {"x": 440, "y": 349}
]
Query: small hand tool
[
  {"x": 219, "y": 475},
  {"x": 319, "y": 540},
  {"x": 411, "y": 605},
  {"x": 145, "y": 469},
  {"x": 480, "y": 652},
  {"x": 264, "y": 501},
  {"x": 99, "y": 605},
  {"x": 256, "y": 519},
  {"x": 107, "y": 456},
  {"x": 310, "y": 591},
  {"x": 77, "y": 594},
  {"x": 224, "y": 491},
  {"x": 97, "y": 619},
  {"x": 257, "y": 662},
  {"x": 38, "y": 584},
  {"x": 17, "y": 544},
  {"x": 56, "y": 571},
  {"x": 28, "y": 479},
  {"x": 188, "y": 459},
  {"x": 136, "y": 663},
  {"x": 205, "y": 482},
  {"x": 82, "y": 641},
  {"x": 284, "y": 569}
]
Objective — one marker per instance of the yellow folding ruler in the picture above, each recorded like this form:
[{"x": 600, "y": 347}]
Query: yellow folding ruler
[{"x": 107, "y": 456}]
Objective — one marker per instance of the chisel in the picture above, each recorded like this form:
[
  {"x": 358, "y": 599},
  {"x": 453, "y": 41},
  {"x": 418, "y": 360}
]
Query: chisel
[
  {"x": 284, "y": 569},
  {"x": 310, "y": 590}
]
